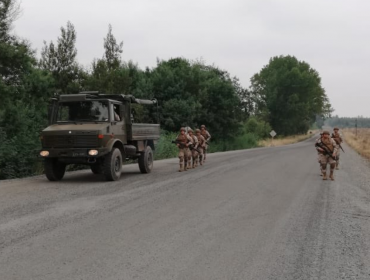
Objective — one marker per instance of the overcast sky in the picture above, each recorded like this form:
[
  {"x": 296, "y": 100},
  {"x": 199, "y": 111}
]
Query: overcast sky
[{"x": 239, "y": 36}]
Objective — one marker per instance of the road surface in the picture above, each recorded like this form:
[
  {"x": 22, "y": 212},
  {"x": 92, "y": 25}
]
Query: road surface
[{"x": 254, "y": 214}]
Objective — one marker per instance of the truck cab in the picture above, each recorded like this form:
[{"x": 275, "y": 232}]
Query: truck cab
[{"x": 97, "y": 130}]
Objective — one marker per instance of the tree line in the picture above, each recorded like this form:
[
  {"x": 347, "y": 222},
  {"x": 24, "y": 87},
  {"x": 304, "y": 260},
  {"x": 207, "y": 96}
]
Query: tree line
[
  {"x": 343, "y": 122},
  {"x": 285, "y": 95}
]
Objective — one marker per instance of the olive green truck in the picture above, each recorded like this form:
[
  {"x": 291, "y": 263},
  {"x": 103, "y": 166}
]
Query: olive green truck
[{"x": 98, "y": 130}]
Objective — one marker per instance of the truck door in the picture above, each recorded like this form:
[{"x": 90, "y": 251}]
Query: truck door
[{"x": 118, "y": 122}]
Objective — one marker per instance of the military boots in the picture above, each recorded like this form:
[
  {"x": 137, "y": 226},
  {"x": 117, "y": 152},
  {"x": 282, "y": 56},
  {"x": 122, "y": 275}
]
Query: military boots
[
  {"x": 181, "y": 167},
  {"x": 324, "y": 175}
]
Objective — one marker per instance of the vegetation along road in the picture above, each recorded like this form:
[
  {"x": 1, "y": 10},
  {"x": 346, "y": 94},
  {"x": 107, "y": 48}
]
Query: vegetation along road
[{"x": 253, "y": 214}]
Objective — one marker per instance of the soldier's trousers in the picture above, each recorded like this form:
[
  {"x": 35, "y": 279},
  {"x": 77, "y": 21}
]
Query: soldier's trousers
[
  {"x": 201, "y": 154},
  {"x": 338, "y": 154},
  {"x": 184, "y": 154},
  {"x": 325, "y": 160}
]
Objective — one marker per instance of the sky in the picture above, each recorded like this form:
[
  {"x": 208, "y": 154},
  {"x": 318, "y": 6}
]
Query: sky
[{"x": 239, "y": 36}]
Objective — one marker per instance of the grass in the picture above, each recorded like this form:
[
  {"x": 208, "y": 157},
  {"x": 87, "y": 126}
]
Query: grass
[
  {"x": 360, "y": 142},
  {"x": 280, "y": 141}
]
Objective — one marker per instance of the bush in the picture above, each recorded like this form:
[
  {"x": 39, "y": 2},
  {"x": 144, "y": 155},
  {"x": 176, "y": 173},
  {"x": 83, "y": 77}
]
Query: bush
[
  {"x": 245, "y": 141},
  {"x": 164, "y": 148},
  {"x": 258, "y": 127}
]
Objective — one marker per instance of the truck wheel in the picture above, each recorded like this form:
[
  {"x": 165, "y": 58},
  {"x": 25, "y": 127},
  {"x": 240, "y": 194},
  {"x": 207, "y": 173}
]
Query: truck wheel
[
  {"x": 113, "y": 165},
  {"x": 96, "y": 168},
  {"x": 146, "y": 160},
  {"x": 54, "y": 170}
]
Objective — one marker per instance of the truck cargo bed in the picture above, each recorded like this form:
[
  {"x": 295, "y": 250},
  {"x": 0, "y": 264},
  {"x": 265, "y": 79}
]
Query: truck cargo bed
[{"x": 141, "y": 131}]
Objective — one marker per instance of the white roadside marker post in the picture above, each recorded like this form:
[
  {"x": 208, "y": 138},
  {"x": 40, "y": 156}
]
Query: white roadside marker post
[{"x": 273, "y": 134}]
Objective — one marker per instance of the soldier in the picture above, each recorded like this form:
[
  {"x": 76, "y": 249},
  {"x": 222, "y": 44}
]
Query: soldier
[
  {"x": 184, "y": 142},
  {"x": 336, "y": 136},
  {"x": 327, "y": 149},
  {"x": 201, "y": 145},
  {"x": 318, "y": 154},
  {"x": 193, "y": 152},
  {"x": 207, "y": 137}
]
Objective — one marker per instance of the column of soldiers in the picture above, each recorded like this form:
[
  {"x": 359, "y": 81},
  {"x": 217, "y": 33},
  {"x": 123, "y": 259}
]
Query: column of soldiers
[
  {"x": 328, "y": 152},
  {"x": 192, "y": 148}
]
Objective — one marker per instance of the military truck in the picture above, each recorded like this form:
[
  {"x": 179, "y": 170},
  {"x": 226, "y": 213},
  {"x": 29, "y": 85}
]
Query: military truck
[{"x": 98, "y": 130}]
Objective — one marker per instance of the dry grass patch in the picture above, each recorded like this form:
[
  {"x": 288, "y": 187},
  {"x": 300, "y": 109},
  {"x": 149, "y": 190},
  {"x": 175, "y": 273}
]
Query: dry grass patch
[
  {"x": 286, "y": 140},
  {"x": 361, "y": 142}
]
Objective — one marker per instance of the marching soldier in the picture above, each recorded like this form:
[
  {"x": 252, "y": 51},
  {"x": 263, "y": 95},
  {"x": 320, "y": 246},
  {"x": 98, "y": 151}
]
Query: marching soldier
[
  {"x": 318, "y": 154},
  {"x": 327, "y": 149},
  {"x": 336, "y": 136},
  {"x": 193, "y": 152},
  {"x": 207, "y": 137},
  {"x": 183, "y": 142},
  {"x": 201, "y": 145}
]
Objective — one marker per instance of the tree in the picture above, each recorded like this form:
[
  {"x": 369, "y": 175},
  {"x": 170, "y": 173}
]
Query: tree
[
  {"x": 9, "y": 12},
  {"x": 24, "y": 91},
  {"x": 110, "y": 74},
  {"x": 288, "y": 94},
  {"x": 112, "y": 54},
  {"x": 60, "y": 60},
  {"x": 192, "y": 94}
]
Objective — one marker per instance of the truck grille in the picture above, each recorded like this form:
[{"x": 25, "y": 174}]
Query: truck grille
[{"x": 71, "y": 141}]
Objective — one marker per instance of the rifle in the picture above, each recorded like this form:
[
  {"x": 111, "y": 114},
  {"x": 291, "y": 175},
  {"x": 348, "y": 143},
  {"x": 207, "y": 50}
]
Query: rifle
[
  {"x": 182, "y": 145},
  {"x": 326, "y": 149},
  {"x": 340, "y": 146}
]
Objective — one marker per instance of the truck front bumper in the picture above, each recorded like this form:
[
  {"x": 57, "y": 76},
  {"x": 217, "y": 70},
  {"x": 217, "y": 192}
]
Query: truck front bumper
[{"x": 73, "y": 152}]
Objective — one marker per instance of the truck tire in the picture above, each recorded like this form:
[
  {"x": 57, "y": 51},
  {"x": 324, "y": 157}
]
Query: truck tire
[
  {"x": 113, "y": 165},
  {"x": 54, "y": 170},
  {"x": 146, "y": 160},
  {"x": 96, "y": 168}
]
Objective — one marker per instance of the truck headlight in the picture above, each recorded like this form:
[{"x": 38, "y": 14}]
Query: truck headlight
[
  {"x": 93, "y": 152},
  {"x": 44, "y": 153}
]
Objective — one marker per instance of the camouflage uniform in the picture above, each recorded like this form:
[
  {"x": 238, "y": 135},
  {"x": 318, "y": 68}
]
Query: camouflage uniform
[
  {"x": 336, "y": 136},
  {"x": 318, "y": 154},
  {"x": 194, "y": 153},
  {"x": 207, "y": 137},
  {"x": 324, "y": 158},
  {"x": 201, "y": 145},
  {"x": 185, "y": 141}
]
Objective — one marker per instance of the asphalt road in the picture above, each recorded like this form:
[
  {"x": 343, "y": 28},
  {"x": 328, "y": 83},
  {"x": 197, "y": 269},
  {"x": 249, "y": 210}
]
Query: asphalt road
[{"x": 252, "y": 214}]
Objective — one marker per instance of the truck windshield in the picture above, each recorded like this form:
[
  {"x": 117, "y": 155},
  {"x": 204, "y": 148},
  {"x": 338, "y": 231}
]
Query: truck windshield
[{"x": 84, "y": 111}]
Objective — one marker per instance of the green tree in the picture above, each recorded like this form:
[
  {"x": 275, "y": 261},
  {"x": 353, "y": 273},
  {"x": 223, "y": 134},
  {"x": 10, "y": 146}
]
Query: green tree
[
  {"x": 9, "y": 12},
  {"x": 192, "y": 94},
  {"x": 110, "y": 74},
  {"x": 113, "y": 51},
  {"x": 60, "y": 60},
  {"x": 287, "y": 93},
  {"x": 24, "y": 91}
]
